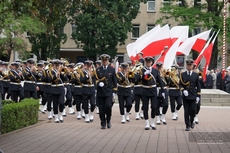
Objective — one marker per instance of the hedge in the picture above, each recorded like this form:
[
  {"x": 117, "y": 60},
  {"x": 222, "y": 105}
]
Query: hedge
[{"x": 19, "y": 115}]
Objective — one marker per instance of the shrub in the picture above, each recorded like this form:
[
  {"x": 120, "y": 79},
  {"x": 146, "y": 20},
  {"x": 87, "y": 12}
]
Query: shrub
[
  {"x": 19, "y": 115},
  {"x": 5, "y": 102}
]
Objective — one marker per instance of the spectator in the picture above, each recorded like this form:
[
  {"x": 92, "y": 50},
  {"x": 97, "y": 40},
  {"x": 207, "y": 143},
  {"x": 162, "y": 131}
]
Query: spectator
[
  {"x": 209, "y": 80},
  {"x": 218, "y": 79},
  {"x": 214, "y": 79},
  {"x": 227, "y": 82}
]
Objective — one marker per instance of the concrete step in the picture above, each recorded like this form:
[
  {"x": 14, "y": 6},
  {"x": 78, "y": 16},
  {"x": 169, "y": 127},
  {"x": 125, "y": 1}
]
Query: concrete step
[{"x": 214, "y": 93}]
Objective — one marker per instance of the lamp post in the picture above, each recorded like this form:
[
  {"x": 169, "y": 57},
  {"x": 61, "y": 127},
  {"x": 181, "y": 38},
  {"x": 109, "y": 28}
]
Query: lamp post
[{"x": 224, "y": 34}]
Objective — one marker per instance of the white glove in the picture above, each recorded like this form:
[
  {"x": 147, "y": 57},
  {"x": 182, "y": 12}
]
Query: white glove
[
  {"x": 114, "y": 95},
  {"x": 146, "y": 72},
  {"x": 163, "y": 95},
  {"x": 101, "y": 84},
  {"x": 197, "y": 100},
  {"x": 185, "y": 92}
]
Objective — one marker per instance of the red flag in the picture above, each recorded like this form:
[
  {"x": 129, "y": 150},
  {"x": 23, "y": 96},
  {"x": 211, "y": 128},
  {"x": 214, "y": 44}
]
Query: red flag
[
  {"x": 207, "y": 54},
  {"x": 194, "y": 41}
]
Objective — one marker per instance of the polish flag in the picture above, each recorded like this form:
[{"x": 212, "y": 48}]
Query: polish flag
[
  {"x": 169, "y": 58},
  {"x": 198, "y": 59},
  {"x": 196, "y": 40},
  {"x": 175, "y": 33},
  {"x": 155, "y": 44},
  {"x": 132, "y": 51},
  {"x": 207, "y": 55}
]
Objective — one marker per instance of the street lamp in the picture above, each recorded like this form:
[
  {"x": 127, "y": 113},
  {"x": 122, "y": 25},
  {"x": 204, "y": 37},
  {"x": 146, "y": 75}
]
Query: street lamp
[{"x": 224, "y": 34}]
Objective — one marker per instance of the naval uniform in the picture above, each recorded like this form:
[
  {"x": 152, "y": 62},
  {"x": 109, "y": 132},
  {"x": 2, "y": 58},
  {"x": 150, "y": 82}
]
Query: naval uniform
[
  {"x": 29, "y": 83},
  {"x": 15, "y": 85},
  {"x": 149, "y": 91},
  {"x": 124, "y": 93},
  {"x": 105, "y": 75},
  {"x": 5, "y": 85},
  {"x": 189, "y": 81}
]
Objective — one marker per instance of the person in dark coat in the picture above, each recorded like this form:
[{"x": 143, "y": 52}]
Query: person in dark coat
[
  {"x": 106, "y": 90},
  {"x": 190, "y": 86},
  {"x": 209, "y": 80},
  {"x": 218, "y": 79}
]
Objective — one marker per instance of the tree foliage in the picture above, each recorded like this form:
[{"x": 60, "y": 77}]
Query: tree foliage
[
  {"x": 208, "y": 15},
  {"x": 102, "y": 25},
  {"x": 13, "y": 23}
]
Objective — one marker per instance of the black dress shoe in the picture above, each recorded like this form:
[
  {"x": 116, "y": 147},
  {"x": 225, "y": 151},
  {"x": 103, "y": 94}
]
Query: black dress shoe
[
  {"x": 109, "y": 125},
  {"x": 102, "y": 127},
  {"x": 197, "y": 122},
  {"x": 193, "y": 125},
  {"x": 187, "y": 128},
  {"x": 153, "y": 127}
]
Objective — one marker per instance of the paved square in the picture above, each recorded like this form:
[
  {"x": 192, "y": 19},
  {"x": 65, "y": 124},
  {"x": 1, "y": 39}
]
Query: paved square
[{"x": 77, "y": 136}]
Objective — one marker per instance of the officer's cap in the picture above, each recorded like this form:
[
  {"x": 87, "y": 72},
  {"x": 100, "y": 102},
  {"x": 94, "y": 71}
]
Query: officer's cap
[
  {"x": 189, "y": 62},
  {"x": 129, "y": 62},
  {"x": 159, "y": 64},
  {"x": 141, "y": 53},
  {"x": 40, "y": 64},
  {"x": 18, "y": 60},
  {"x": 149, "y": 58},
  {"x": 46, "y": 62},
  {"x": 56, "y": 61},
  {"x": 70, "y": 65},
  {"x": 30, "y": 61},
  {"x": 104, "y": 56},
  {"x": 15, "y": 64},
  {"x": 88, "y": 62},
  {"x": 124, "y": 65},
  {"x": 98, "y": 62},
  {"x": 5, "y": 63},
  {"x": 80, "y": 64},
  {"x": 174, "y": 66},
  {"x": 24, "y": 62}
]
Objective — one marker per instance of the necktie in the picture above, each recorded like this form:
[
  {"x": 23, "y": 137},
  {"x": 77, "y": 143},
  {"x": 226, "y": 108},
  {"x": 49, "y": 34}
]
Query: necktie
[{"x": 104, "y": 67}]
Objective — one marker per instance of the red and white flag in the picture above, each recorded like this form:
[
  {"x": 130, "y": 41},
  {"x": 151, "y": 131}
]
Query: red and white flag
[
  {"x": 132, "y": 50},
  {"x": 207, "y": 55},
  {"x": 198, "y": 59},
  {"x": 194, "y": 41},
  {"x": 177, "y": 32},
  {"x": 155, "y": 43}
]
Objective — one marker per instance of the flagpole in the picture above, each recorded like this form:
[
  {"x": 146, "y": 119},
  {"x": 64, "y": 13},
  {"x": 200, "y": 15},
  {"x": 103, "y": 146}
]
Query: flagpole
[
  {"x": 165, "y": 48},
  {"x": 224, "y": 34}
]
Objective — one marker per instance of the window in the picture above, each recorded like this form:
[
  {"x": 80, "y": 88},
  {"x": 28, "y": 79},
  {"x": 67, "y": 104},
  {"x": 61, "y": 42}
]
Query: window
[
  {"x": 74, "y": 28},
  {"x": 135, "y": 32},
  {"x": 197, "y": 3},
  {"x": 196, "y": 31},
  {"x": 120, "y": 58},
  {"x": 165, "y": 3},
  {"x": 151, "y": 6},
  {"x": 149, "y": 27},
  {"x": 28, "y": 34}
]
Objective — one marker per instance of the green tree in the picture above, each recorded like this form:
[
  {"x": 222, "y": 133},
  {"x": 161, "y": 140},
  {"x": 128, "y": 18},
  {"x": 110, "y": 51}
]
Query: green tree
[
  {"x": 206, "y": 16},
  {"x": 53, "y": 13},
  {"x": 102, "y": 25},
  {"x": 13, "y": 23}
]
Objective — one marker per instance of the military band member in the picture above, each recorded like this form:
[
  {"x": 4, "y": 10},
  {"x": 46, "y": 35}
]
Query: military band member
[
  {"x": 106, "y": 89},
  {"x": 190, "y": 86},
  {"x": 47, "y": 79},
  {"x": 174, "y": 92},
  {"x": 5, "y": 81},
  {"x": 75, "y": 80},
  {"x": 162, "y": 100},
  {"x": 149, "y": 92},
  {"x": 141, "y": 59},
  {"x": 88, "y": 90},
  {"x": 58, "y": 92},
  {"x": 15, "y": 76},
  {"x": 137, "y": 91},
  {"x": 70, "y": 104},
  {"x": 40, "y": 82},
  {"x": 98, "y": 64},
  {"x": 29, "y": 73},
  {"x": 124, "y": 92}
]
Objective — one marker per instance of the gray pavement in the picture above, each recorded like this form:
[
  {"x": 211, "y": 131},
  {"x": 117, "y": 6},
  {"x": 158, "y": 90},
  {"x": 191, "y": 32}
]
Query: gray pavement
[{"x": 77, "y": 136}]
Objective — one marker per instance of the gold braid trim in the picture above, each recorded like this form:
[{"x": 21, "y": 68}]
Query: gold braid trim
[
  {"x": 102, "y": 79},
  {"x": 186, "y": 84},
  {"x": 174, "y": 81}
]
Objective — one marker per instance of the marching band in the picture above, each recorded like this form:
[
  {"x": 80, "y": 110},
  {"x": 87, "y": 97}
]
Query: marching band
[{"x": 86, "y": 86}]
